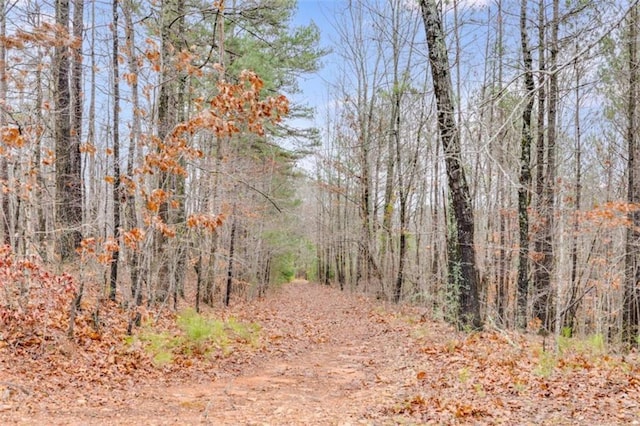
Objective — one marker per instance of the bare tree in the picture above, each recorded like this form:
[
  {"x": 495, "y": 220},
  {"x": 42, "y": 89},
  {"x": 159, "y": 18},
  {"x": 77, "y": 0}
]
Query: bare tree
[
  {"x": 524, "y": 190},
  {"x": 115, "y": 255},
  {"x": 68, "y": 165},
  {"x": 4, "y": 175},
  {"x": 631, "y": 305},
  {"x": 458, "y": 187}
]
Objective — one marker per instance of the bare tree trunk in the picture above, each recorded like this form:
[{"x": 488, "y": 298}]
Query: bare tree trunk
[
  {"x": 41, "y": 192},
  {"x": 68, "y": 170},
  {"x": 569, "y": 314},
  {"x": 90, "y": 208},
  {"x": 540, "y": 275},
  {"x": 227, "y": 296},
  {"x": 631, "y": 303},
  {"x": 524, "y": 189},
  {"x": 450, "y": 136},
  {"x": 116, "y": 155},
  {"x": 135, "y": 258},
  {"x": 210, "y": 275},
  {"x": 166, "y": 120},
  {"x": 4, "y": 174},
  {"x": 544, "y": 308}
]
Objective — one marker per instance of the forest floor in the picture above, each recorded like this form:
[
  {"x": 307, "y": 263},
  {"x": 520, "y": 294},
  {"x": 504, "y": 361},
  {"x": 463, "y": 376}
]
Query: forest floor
[{"x": 327, "y": 357}]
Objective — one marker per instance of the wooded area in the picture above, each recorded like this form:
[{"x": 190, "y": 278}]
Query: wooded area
[
  {"x": 190, "y": 233},
  {"x": 479, "y": 159},
  {"x": 492, "y": 180},
  {"x": 143, "y": 146}
]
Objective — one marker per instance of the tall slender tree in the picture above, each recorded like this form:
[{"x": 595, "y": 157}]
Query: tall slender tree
[
  {"x": 167, "y": 118},
  {"x": 5, "y": 212},
  {"x": 469, "y": 304},
  {"x": 524, "y": 188},
  {"x": 631, "y": 305},
  {"x": 134, "y": 136},
  {"x": 67, "y": 137},
  {"x": 115, "y": 254}
]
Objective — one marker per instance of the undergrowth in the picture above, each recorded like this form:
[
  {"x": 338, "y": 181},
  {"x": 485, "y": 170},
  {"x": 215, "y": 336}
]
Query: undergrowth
[{"x": 197, "y": 336}]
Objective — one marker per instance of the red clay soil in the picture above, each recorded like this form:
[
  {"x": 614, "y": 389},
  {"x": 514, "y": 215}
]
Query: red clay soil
[{"x": 334, "y": 358}]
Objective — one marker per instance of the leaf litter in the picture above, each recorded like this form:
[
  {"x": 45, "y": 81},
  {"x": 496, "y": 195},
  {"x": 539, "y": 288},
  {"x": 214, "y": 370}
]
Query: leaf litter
[{"x": 322, "y": 357}]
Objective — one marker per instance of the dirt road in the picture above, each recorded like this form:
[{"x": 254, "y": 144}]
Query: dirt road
[
  {"x": 333, "y": 358},
  {"x": 327, "y": 358}
]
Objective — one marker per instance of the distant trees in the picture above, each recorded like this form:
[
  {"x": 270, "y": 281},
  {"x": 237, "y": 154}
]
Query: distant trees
[{"x": 531, "y": 123}]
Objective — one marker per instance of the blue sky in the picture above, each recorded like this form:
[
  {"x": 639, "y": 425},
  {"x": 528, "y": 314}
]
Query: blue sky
[
  {"x": 323, "y": 14},
  {"x": 319, "y": 12}
]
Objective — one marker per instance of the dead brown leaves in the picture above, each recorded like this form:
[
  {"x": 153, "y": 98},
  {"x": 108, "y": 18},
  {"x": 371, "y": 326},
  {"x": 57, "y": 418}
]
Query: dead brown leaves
[
  {"x": 506, "y": 378},
  {"x": 387, "y": 364}
]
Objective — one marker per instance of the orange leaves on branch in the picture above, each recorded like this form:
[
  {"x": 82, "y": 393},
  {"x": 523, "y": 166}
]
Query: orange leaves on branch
[
  {"x": 130, "y": 78},
  {"x": 133, "y": 237},
  {"x": 611, "y": 214},
  {"x": 12, "y": 136},
  {"x": 129, "y": 184},
  {"x": 156, "y": 198},
  {"x": 157, "y": 223},
  {"x": 50, "y": 157},
  {"x": 251, "y": 78},
  {"x": 111, "y": 245},
  {"x": 164, "y": 163},
  {"x": 184, "y": 63},
  {"x": 92, "y": 248},
  {"x": 208, "y": 222},
  {"x": 45, "y": 35},
  {"x": 236, "y": 106},
  {"x": 87, "y": 245},
  {"x": 88, "y": 148},
  {"x": 153, "y": 56}
]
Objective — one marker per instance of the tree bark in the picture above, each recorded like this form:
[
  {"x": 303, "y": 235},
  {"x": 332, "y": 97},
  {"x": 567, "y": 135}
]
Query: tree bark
[
  {"x": 524, "y": 189},
  {"x": 227, "y": 295},
  {"x": 540, "y": 274},
  {"x": 450, "y": 136},
  {"x": 569, "y": 315},
  {"x": 631, "y": 301},
  {"x": 544, "y": 308},
  {"x": 113, "y": 281},
  {"x": 67, "y": 148},
  {"x": 167, "y": 119},
  {"x": 550, "y": 192},
  {"x": 130, "y": 203},
  {"x": 5, "y": 217}
]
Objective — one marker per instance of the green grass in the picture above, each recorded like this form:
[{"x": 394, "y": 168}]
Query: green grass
[
  {"x": 546, "y": 364},
  {"x": 197, "y": 336},
  {"x": 157, "y": 345},
  {"x": 572, "y": 353}
]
